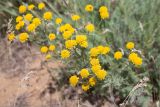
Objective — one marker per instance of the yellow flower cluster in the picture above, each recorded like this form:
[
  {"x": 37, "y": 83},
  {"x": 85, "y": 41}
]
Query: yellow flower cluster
[
  {"x": 73, "y": 43},
  {"x": 90, "y": 27},
  {"x": 11, "y": 37},
  {"x": 52, "y": 36},
  {"x": 135, "y": 59},
  {"x": 75, "y": 17},
  {"x": 45, "y": 50},
  {"x": 65, "y": 54},
  {"x": 95, "y": 51},
  {"x": 104, "y": 14},
  {"x": 23, "y": 37},
  {"x": 89, "y": 8},
  {"x": 70, "y": 44},
  {"x": 41, "y": 6},
  {"x": 58, "y": 21},
  {"x": 118, "y": 55},
  {"x": 82, "y": 40},
  {"x": 47, "y": 15},
  {"x": 73, "y": 80},
  {"x": 67, "y": 31},
  {"x": 130, "y": 45}
]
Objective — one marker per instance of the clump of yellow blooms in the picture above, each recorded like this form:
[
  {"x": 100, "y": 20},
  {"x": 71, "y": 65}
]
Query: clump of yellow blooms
[
  {"x": 22, "y": 9},
  {"x": 44, "y": 49},
  {"x": 19, "y": 25},
  {"x": 52, "y": 47},
  {"x": 28, "y": 17},
  {"x": 31, "y": 27},
  {"x": 85, "y": 87},
  {"x": 75, "y": 17},
  {"x": 67, "y": 31},
  {"x": 73, "y": 80},
  {"x": 23, "y": 37},
  {"x": 36, "y": 21},
  {"x": 58, "y": 21},
  {"x": 70, "y": 44},
  {"x": 92, "y": 81},
  {"x": 52, "y": 36},
  {"x": 31, "y": 7},
  {"x": 11, "y": 37},
  {"x": 135, "y": 59},
  {"x": 47, "y": 15},
  {"x": 19, "y": 18},
  {"x": 118, "y": 55},
  {"x": 101, "y": 74},
  {"x": 65, "y": 54},
  {"x": 89, "y": 8},
  {"x": 104, "y": 14},
  {"x": 93, "y": 72},
  {"x": 48, "y": 56},
  {"x": 41, "y": 6},
  {"x": 130, "y": 45},
  {"x": 84, "y": 73},
  {"x": 82, "y": 40},
  {"x": 90, "y": 27}
]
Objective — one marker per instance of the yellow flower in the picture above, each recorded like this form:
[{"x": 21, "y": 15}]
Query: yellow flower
[
  {"x": 65, "y": 54},
  {"x": 106, "y": 50},
  {"x": 137, "y": 61},
  {"x": 73, "y": 80},
  {"x": 22, "y": 9},
  {"x": 52, "y": 36},
  {"x": 96, "y": 68},
  {"x": 84, "y": 73},
  {"x": 104, "y": 15},
  {"x": 28, "y": 17},
  {"x": 44, "y": 49},
  {"x": 85, "y": 87},
  {"x": 103, "y": 9},
  {"x": 23, "y": 37},
  {"x": 51, "y": 47},
  {"x": 104, "y": 12},
  {"x": 41, "y": 6},
  {"x": 118, "y": 55},
  {"x": 130, "y": 45},
  {"x": 58, "y": 20},
  {"x": 75, "y": 17},
  {"x": 31, "y": 27},
  {"x": 92, "y": 81},
  {"x": 70, "y": 44},
  {"x": 132, "y": 56},
  {"x": 47, "y": 15},
  {"x": 89, "y": 8},
  {"x": 48, "y": 56},
  {"x": 94, "y": 61},
  {"x": 82, "y": 40},
  {"x": 36, "y": 21},
  {"x": 67, "y": 35},
  {"x": 94, "y": 52},
  {"x": 66, "y": 27},
  {"x": 19, "y": 18},
  {"x": 101, "y": 74},
  {"x": 90, "y": 27},
  {"x": 19, "y": 25},
  {"x": 11, "y": 37},
  {"x": 31, "y": 7}
]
